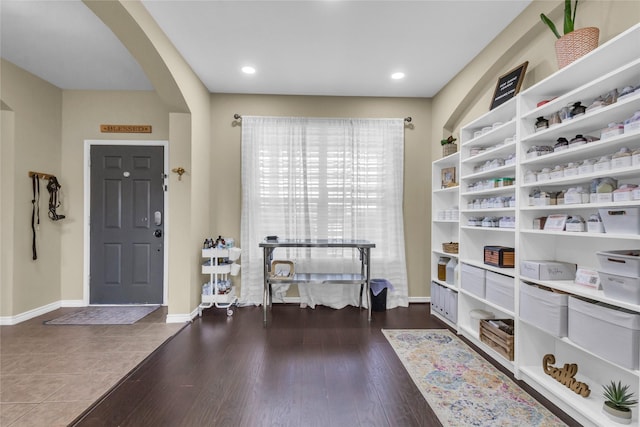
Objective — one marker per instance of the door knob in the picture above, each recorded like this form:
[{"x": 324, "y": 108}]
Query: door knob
[{"x": 157, "y": 233}]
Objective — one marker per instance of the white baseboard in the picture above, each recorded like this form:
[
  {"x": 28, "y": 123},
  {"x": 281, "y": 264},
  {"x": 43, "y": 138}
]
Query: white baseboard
[
  {"x": 419, "y": 300},
  {"x": 181, "y": 318},
  {"x": 39, "y": 311},
  {"x": 72, "y": 303}
]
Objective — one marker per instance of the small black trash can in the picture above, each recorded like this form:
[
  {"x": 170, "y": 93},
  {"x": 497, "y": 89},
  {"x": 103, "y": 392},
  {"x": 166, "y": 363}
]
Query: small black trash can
[
  {"x": 379, "y": 302},
  {"x": 378, "y": 293}
]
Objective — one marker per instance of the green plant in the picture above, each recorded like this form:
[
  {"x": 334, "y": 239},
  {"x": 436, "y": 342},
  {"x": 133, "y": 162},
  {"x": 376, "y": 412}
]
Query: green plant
[
  {"x": 569, "y": 18},
  {"x": 449, "y": 140},
  {"x": 618, "y": 396}
]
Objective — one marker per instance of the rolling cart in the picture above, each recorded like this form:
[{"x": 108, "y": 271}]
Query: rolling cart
[{"x": 219, "y": 292}]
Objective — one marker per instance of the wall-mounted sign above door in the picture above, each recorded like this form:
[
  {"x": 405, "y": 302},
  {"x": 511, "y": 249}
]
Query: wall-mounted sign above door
[{"x": 125, "y": 128}]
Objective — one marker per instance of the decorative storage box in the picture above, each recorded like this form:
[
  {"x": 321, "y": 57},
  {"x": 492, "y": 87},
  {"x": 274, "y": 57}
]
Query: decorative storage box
[
  {"x": 548, "y": 270},
  {"x": 499, "y": 256},
  {"x": 621, "y": 221},
  {"x": 544, "y": 309},
  {"x": 613, "y": 334},
  {"x": 624, "y": 262},
  {"x": 621, "y": 288},
  {"x": 472, "y": 279},
  {"x": 496, "y": 338},
  {"x": 499, "y": 290}
]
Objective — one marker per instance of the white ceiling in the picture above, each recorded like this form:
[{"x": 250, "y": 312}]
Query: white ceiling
[{"x": 328, "y": 47}]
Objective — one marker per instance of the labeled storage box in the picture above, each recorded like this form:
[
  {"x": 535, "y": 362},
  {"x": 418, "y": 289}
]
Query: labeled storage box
[
  {"x": 496, "y": 338},
  {"x": 613, "y": 334},
  {"x": 499, "y": 256},
  {"x": 499, "y": 290},
  {"x": 621, "y": 288},
  {"x": 621, "y": 221},
  {"x": 472, "y": 279},
  {"x": 624, "y": 262},
  {"x": 544, "y": 309},
  {"x": 548, "y": 270}
]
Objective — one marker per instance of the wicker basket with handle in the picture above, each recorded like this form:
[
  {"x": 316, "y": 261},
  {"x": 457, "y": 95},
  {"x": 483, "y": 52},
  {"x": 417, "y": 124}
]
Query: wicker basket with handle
[
  {"x": 448, "y": 149},
  {"x": 450, "y": 248}
]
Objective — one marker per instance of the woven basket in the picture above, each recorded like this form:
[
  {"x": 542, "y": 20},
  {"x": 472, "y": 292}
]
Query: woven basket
[
  {"x": 576, "y": 44},
  {"x": 450, "y": 248},
  {"x": 448, "y": 149}
]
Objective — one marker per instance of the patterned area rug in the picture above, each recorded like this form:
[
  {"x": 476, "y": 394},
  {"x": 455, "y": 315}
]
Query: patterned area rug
[
  {"x": 463, "y": 388},
  {"x": 118, "y": 315}
]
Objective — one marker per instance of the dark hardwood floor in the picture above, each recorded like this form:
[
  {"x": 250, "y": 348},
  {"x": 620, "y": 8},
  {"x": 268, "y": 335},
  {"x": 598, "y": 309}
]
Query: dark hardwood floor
[{"x": 319, "y": 367}]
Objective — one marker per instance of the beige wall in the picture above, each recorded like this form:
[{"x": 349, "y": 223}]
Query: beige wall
[
  {"x": 83, "y": 113},
  {"x": 225, "y": 160},
  {"x": 32, "y": 109}
]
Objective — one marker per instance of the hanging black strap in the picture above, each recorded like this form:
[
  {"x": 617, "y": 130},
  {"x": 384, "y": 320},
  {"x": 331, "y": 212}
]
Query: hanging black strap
[
  {"x": 54, "y": 187},
  {"x": 35, "y": 214}
]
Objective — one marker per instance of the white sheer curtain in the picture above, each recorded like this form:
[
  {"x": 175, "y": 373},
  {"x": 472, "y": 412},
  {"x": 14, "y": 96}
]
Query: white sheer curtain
[{"x": 316, "y": 178}]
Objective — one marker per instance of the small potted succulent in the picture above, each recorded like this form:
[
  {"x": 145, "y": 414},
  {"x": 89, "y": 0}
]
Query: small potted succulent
[
  {"x": 618, "y": 402},
  {"x": 575, "y": 42}
]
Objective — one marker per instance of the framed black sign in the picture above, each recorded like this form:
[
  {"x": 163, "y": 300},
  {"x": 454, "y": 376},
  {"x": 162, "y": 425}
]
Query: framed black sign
[{"x": 508, "y": 85}]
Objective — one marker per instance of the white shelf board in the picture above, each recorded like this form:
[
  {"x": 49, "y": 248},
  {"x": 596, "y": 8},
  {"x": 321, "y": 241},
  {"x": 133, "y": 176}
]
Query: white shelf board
[
  {"x": 499, "y": 172},
  {"x": 490, "y": 191},
  {"x": 506, "y": 271},
  {"x": 584, "y": 234},
  {"x": 492, "y": 153}
]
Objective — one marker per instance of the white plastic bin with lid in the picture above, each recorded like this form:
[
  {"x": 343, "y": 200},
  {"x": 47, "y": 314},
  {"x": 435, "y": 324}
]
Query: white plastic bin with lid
[
  {"x": 499, "y": 290},
  {"x": 613, "y": 334},
  {"x": 544, "y": 309},
  {"x": 472, "y": 279}
]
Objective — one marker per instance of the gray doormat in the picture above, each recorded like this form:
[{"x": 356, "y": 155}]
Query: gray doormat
[{"x": 117, "y": 315}]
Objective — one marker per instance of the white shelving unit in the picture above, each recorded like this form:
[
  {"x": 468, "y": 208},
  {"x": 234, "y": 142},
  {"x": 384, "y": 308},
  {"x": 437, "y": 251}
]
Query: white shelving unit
[
  {"x": 508, "y": 131},
  {"x": 444, "y": 229},
  {"x": 218, "y": 272}
]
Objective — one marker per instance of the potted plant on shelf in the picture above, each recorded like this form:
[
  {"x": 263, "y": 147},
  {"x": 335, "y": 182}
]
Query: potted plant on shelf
[
  {"x": 618, "y": 402},
  {"x": 574, "y": 43},
  {"x": 448, "y": 146}
]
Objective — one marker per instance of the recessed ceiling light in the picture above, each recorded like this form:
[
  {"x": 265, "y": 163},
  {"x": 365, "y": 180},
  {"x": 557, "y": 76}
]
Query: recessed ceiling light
[
  {"x": 248, "y": 70},
  {"x": 397, "y": 76}
]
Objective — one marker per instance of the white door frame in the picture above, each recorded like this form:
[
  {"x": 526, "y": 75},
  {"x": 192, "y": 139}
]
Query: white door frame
[{"x": 88, "y": 143}]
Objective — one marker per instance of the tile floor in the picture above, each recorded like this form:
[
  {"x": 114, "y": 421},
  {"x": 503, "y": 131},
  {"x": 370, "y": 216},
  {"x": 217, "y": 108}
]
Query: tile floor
[{"x": 49, "y": 374}]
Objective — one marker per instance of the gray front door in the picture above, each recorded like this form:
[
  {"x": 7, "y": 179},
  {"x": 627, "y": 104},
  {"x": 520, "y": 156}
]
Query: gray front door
[{"x": 127, "y": 224}]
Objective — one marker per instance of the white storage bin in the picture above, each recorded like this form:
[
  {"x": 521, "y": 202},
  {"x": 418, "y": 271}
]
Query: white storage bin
[
  {"x": 547, "y": 270},
  {"x": 624, "y": 262},
  {"x": 435, "y": 297},
  {"x": 472, "y": 279},
  {"x": 621, "y": 221},
  {"x": 451, "y": 304},
  {"x": 611, "y": 334},
  {"x": 545, "y": 309},
  {"x": 621, "y": 288},
  {"x": 499, "y": 290}
]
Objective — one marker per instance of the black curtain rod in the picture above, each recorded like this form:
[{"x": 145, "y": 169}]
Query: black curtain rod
[{"x": 239, "y": 117}]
